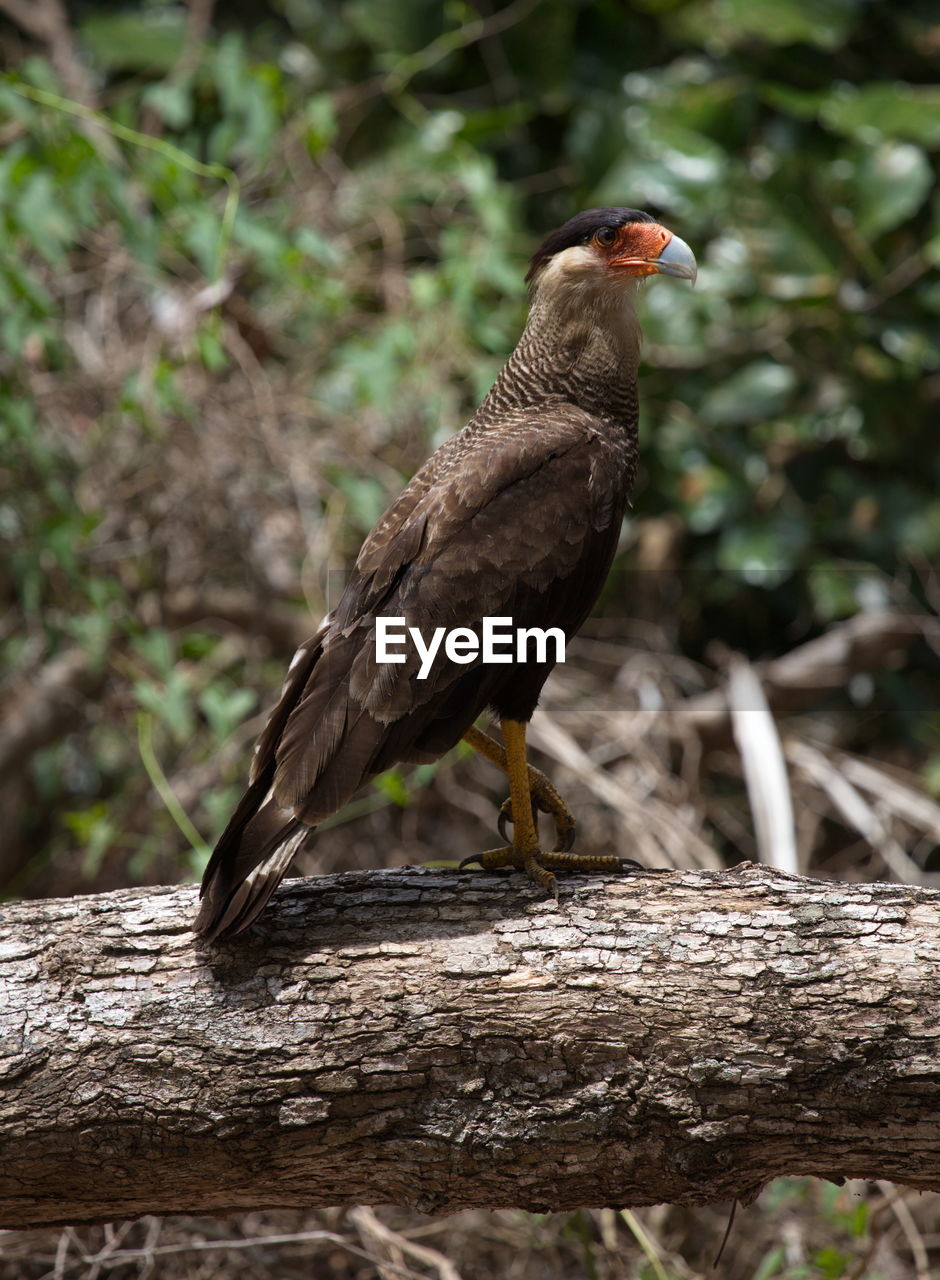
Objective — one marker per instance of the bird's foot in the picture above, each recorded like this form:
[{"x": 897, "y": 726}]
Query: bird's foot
[
  {"x": 540, "y": 867},
  {"x": 545, "y": 799},
  {"x": 527, "y": 860}
]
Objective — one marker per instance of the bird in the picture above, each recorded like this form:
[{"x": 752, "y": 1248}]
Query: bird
[{"x": 517, "y": 516}]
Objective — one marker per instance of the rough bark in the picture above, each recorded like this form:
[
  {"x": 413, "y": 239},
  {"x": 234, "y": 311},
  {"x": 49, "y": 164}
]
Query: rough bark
[{"x": 441, "y": 1040}]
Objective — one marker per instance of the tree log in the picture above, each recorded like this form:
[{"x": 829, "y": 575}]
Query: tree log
[{"x": 440, "y": 1040}]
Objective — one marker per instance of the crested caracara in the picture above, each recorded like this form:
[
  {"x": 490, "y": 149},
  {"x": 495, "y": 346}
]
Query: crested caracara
[{"x": 517, "y": 516}]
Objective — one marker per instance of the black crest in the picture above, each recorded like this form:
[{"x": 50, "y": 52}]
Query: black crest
[{"x": 579, "y": 229}]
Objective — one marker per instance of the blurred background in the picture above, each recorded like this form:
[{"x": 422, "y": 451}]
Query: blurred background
[{"x": 239, "y": 308}]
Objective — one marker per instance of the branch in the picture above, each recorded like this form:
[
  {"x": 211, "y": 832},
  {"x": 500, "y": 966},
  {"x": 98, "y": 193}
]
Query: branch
[
  {"x": 442, "y": 1040},
  {"x": 45, "y": 705},
  {"x": 286, "y": 629},
  {"x": 868, "y": 641},
  {"x": 47, "y": 21}
]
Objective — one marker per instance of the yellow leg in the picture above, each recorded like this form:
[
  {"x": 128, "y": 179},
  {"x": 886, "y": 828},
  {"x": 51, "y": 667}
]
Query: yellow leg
[
  {"x": 524, "y": 853},
  {"x": 525, "y": 838},
  {"x": 486, "y": 746},
  {"x": 545, "y": 796}
]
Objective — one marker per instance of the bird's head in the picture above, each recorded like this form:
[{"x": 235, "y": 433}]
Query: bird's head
[{"x": 609, "y": 247}]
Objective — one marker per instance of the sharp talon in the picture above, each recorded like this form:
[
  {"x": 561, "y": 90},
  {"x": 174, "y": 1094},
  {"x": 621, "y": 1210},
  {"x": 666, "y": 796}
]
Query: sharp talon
[
  {"x": 491, "y": 859},
  {"x": 565, "y": 828}
]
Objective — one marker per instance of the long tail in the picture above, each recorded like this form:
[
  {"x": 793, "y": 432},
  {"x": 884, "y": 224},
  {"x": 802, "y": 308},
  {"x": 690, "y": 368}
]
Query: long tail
[
  {"x": 249, "y": 862},
  {"x": 256, "y": 848}
]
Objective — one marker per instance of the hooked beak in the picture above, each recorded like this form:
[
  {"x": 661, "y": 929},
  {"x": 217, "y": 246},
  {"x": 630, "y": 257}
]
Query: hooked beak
[{"x": 677, "y": 259}]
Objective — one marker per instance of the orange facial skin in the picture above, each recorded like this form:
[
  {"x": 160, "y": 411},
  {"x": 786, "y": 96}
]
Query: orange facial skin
[
  {"x": 648, "y": 248},
  {"x": 638, "y": 247}
]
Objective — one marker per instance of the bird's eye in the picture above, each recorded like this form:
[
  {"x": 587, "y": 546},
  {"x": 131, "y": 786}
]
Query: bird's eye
[{"x": 605, "y": 236}]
